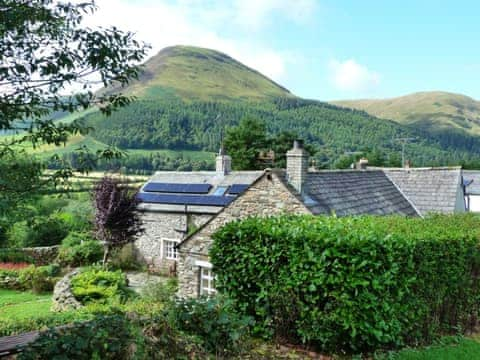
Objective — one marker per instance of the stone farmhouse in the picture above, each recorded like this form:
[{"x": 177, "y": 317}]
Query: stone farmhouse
[{"x": 181, "y": 210}]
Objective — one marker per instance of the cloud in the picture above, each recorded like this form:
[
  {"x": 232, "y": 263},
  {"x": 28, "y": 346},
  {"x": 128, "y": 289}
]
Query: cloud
[
  {"x": 199, "y": 23},
  {"x": 254, "y": 14},
  {"x": 352, "y": 76}
]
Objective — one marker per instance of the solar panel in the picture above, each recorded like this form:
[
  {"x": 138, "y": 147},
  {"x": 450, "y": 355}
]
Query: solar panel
[
  {"x": 208, "y": 200},
  {"x": 236, "y": 189},
  {"x": 177, "y": 188}
]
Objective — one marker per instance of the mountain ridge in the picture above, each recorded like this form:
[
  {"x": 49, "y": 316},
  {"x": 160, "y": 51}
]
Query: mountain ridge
[{"x": 433, "y": 111}]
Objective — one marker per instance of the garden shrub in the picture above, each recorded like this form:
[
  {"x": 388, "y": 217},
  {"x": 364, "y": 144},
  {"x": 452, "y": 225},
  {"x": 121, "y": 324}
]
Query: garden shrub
[
  {"x": 97, "y": 284},
  {"x": 162, "y": 292},
  {"x": 105, "y": 337},
  {"x": 39, "y": 279},
  {"x": 352, "y": 284},
  {"x": 39, "y": 231},
  {"x": 213, "y": 320},
  {"x": 14, "y": 256},
  {"x": 79, "y": 249}
]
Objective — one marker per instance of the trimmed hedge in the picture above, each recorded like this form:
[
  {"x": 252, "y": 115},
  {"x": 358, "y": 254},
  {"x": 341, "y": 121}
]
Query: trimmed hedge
[{"x": 352, "y": 284}]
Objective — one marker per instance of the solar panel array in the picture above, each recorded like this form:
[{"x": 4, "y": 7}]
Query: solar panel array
[
  {"x": 236, "y": 189},
  {"x": 177, "y": 188},
  {"x": 207, "y": 200}
]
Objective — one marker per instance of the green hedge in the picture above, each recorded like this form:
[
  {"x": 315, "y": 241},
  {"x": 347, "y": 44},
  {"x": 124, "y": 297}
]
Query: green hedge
[{"x": 352, "y": 284}]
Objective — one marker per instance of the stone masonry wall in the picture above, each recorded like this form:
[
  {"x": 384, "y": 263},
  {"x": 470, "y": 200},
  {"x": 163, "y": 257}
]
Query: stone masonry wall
[
  {"x": 42, "y": 255},
  {"x": 158, "y": 226},
  {"x": 267, "y": 197}
]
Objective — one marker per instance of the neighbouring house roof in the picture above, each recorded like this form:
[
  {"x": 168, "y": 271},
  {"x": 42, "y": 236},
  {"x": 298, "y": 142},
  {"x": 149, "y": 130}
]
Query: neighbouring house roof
[
  {"x": 172, "y": 191},
  {"x": 429, "y": 189},
  {"x": 355, "y": 192},
  {"x": 472, "y": 178}
]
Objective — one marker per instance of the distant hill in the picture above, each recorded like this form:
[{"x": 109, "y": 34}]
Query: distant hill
[
  {"x": 202, "y": 74},
  {"x": 187, "y": 96},
  {"x": 434, "y": 111}
]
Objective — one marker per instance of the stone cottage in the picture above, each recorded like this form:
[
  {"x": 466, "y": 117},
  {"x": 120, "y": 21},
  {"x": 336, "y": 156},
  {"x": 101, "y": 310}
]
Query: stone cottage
[{"x": 182, "y": 210}]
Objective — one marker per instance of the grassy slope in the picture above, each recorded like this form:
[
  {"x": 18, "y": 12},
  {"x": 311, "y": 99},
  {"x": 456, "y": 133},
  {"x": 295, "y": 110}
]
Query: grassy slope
[
  {"x": 15, "y": 305},
  {"x": 201, "y": 74},
  {"x": 436, "y": 111}
]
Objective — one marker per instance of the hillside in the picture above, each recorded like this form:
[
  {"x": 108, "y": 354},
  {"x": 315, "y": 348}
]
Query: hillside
[
  {"x": 435, "y": 112},
  {"x": 202, "y": 74},
  {"x": 187, "y": 96}
]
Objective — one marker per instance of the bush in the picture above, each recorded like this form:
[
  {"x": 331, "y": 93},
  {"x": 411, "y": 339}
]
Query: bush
[
  {"x": 40, "y": 231},
  {"x": 161, "y": 292},
  {"x": 105, "y": 337},
  {"x": 352, "y": 284},
  {"x": 79, "y": 249},
  {"x": 96, "y": 284},
  {"x": 14, "y": 256},
  {"x": 222, "y": 331},
  {"x": 39, "y": 278}
]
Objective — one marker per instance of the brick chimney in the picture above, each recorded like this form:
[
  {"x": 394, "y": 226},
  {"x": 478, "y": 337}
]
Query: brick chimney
[
  {"x": 223, "y": 163},
  {"x": 297, "y": 166}
]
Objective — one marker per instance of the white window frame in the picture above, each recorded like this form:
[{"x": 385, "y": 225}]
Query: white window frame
[
  {"x": 206, "y": 279},
  {"x": 165, "y": 253}
]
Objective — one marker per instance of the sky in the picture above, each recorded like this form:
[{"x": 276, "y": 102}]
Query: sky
[{"x": 322, "y": 49}]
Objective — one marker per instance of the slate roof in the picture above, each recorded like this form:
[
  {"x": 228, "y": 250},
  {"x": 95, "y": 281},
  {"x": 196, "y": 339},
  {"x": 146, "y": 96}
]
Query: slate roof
[
  {"x": 429, "y": 189},
  {"x": 474, "y": 187},
  {"x": 355, "y": 192}
]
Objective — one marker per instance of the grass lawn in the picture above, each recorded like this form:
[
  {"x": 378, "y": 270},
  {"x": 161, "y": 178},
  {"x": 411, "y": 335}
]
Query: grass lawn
[
  {"x": 22, "y": 305},
  {"x": 464, "y": 349}
]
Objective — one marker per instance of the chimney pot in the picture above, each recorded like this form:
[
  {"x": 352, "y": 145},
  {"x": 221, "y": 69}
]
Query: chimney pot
[{"x": 298, "y": 144}]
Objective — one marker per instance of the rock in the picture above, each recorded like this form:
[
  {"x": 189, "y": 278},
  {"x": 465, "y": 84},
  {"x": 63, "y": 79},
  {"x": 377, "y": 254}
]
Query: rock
[{"x": 63, "y": 298}]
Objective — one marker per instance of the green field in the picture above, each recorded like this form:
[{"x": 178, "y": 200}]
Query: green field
[
  {"x": 464, "y": 349},
  {"x": 16, "y": 305}
]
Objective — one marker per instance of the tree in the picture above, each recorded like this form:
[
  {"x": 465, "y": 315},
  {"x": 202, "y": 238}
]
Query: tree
[
  {"x": 116, "y": 218},
  {"x": 244, "y": 143},
  {"x": 44, "y": 52},
  {"x": 281, "y": 143}
]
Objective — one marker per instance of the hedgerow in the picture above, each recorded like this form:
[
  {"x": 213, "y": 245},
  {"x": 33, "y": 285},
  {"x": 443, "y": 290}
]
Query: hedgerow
[{"x": 352, "y": 284}]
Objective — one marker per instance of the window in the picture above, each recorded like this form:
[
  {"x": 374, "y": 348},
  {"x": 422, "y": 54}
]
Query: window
[
  {"x": 169, "y": 250},
  {"x": 220, "y": 190},
  {"x": 207, "y": 281}
]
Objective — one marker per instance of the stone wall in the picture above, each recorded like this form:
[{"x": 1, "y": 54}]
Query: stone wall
[
  {"x": 42, "y": 255},
  {"x": 267, "y": 197},
  {"x": 163, "y": 226},
  {"x": 62, "y": 298}
]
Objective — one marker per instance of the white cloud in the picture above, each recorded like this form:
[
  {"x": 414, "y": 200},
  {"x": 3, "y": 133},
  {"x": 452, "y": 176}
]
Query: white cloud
[
  {"x": 349, "y": 75},
  {"x": 255, "y": 14},
  {"x": 199, "y": 23}
]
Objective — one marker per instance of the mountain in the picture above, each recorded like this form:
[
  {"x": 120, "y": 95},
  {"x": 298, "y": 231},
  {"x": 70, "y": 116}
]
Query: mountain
[
  {"x": 187, "y": 96},
  {"x": 435, "y": 111},
  {"x": 202, "y": 74}
]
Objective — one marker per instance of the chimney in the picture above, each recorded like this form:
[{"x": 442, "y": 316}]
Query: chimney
[
  {"x": 408, "y": 164},
  {"x": 223, "y": 163},
  {"x": 362, "y": 164},
  {"x": 297, "y": 166}
]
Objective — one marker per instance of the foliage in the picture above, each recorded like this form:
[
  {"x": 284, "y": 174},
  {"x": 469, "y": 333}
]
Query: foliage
[
  {"x": 15, "y": 256},
  {"x": 39, "y": 279},
  {"x": 19, "y": 181},
  {"x": 105, "y": 337},
  {"x": 116, "y": 219},
  {"x": 223, "y": 331},
  {"x": 79, "y": 249},
  {"x": 352, "y": 284},
  {"x": 244, "y": 143},
  {"x": 161, "y": 292},
  {"x": 33, "y": 80},
  {"x": 96, "y": 284},
  {"x": 174, "y": 124},
  {"x": 37, "y": 231}
]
